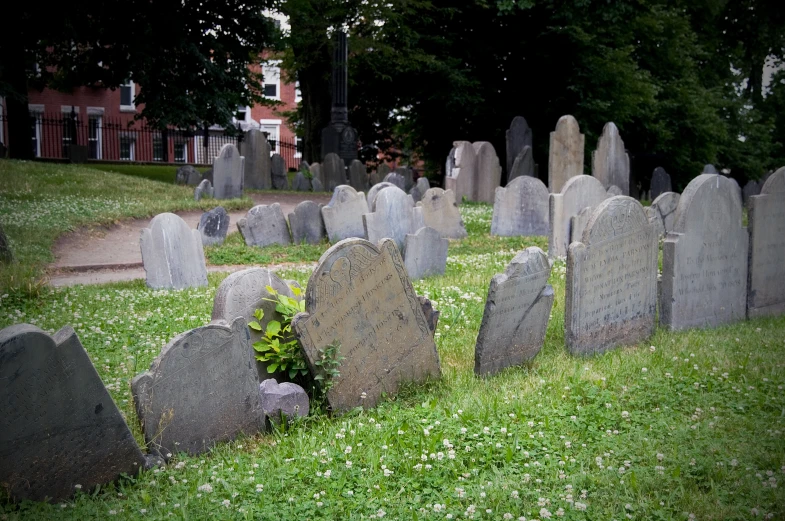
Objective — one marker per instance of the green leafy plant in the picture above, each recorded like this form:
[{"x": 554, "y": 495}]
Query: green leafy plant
[
  {"x": 278, "y": 347},
  {"x": 329, "y": 361}
]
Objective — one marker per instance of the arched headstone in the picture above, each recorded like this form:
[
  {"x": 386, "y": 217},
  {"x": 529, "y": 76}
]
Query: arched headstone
[
  {"x": 610, "y": 162},
  {"x": 172, "y": 254},
  {"x": 521, "y": 208},
  {"x": 565, "y": 156},
  {"x": 228, "y": 170},
  {"x": 578, "y": 193}
]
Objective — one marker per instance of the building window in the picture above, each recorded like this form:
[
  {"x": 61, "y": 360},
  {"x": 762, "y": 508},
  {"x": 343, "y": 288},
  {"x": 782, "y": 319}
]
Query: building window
[
  {"x": 158, "y": 147},
  {"x": 299, "y": 146},
  {"x": 69, "y": 123},
  {"x": 94, "y": 136},
  {"x": 241, "y": 114},
  {"x": 271, "y": 74},
  {"x": 180, "y": 152},
  {"x": 298, "y": 95},
  {"x": 271, "y": 129},
  {"x": 127, "y": 147},
  {"x": 35, "y": 135},
  {"x": 127, "y": 97}
]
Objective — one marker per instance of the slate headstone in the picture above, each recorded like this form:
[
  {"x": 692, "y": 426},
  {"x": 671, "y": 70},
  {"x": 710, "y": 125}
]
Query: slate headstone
[
  {"x": 518, "y": 137},
  {"x": 393, "y": 217},
  {"x": 172, "y": 254},
  {"x": 709, "y": 169},
  {"x": 419, "y": 189},
  {"x": 440, "y": 212},
  {"x": 396, "y": 179},
  {"x": 578, "y": 193},
  {"x": 374, "y": 179},
  {"x": 334, "y": 171},
  {"x": 205, "y": 189},
  {"x": 488, "y": 172},
  {"x": 663, "y": 209},
  {"x": 278, "y": 166},
  {"x": 317, "y": 185},
  {"x": 257, "y": 170},
  {"x": 425, "y": 253},
  {"x": 307, "y": 224},
  {"x": 343, "y": 215},
  {"x": 516, "y": 314},
  {"x": 383, "y": 170},
  {"x": 358, "y": 178},
  {"x": 750, "y": 189},
  {"x": 213, "y": 226},
  {"x": 408, "y": 177},
  {"x": 578, "y": 224},
  {"x": 660, "y": 183},
  {"x": 317, "y": 173},
  {"x": 461, "y": 171},
  {"x": 187, "y": 175},
  {"x": 301, "y": 182},
  {"x": 614, "y": 190},
  {"x": 565, "y": 157},
  {"x": 523, "y": 165},
  {"x": 283, "y": 402},
  {"x": 6, "y": 255},
  {"x": 228, "y": 170},
  {"x": 373, "y": 193},
  {"x": 521, "y": 208},
  {"x": 264, "y": 225},
  {"x": 610, "y": 162}
]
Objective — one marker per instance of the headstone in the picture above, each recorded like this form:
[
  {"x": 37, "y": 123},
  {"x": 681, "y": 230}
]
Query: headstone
[
  {"x": 6, "y": 255},
  {"x": 709, "y": 169},
  {"x": 578, "y": 193},
  {"x": 278, "y": 166},
  {"x": 374, "y": 179},
  {"x": 750, "y": 189},
  {"x": 334, "y": 171},
  {"x": 358, "y": 178},
  {"x": 343, "y": 215},
  {"x": 660, "y": 183},
  {"x": 704, "y": 257},
  {"x": 228, "y": 170},
  {"x": 767, "y": 248},
  {"x": 201, "y": 390},
  {"x": 408, "y": 177},
  {"x": 614, "y": 190},
  {"x": 419, "y": 189},
  {"x": 431, "y": 314},
  {"x": 283, "y": 402},
  {"x": 301, "y": 182},
  {"x": 307, "y": 224},
  {"x": 440, "y": 212},
  {"x": 521, "y": 208},
  {"x": 205, "y": 189},
  {"x": 213, "y": 226},
  {"x": 264, "y": 225},
  {"x": 611, "y": 284},
  {"x": 172, "y": 254},
  {"x": 523, "y": 165},
  {"x": 664, "y": 210},
  {"x": 317, "y": 173},
  {"x": 258, "y": 168},
  {"x": 59, "y": 427},
  {"x": 393, "y": 217},
  {"x": 488, "y": 172},
  {"x": 187, "y": 175},
  {"x": 610, "y": 162},
  {"x": 578, "y": 224},
  {"x": 425, "y": 253},
  {"x": 565, "y": 156},
  {"x": 518, "y": 137},
  {"x": 303, "y": 166},
  {"x": 383, "y": 170},
  {"x": 208, "y": 174},
  {"x": 516, "y": 313},
  {"x": 396, "y": 179},
  {"x": 317, "y": 185},
  {"x": 373, "y": 193},
  {"x": 361, "y": 297},
  {"x": 461, "y": 171}
]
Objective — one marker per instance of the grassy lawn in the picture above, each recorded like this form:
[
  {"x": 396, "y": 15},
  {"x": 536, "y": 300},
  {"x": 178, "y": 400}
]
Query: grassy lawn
[
  {"x": 164, "y": 173},
  {"x": 685, "y": 426}
]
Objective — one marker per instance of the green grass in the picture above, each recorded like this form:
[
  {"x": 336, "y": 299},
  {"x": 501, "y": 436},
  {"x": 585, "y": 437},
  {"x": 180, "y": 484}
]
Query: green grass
[
  {"x": 687, "y": 425},
  {"x": 163, "y": 173},
  {"x": 235, "y": 251}
]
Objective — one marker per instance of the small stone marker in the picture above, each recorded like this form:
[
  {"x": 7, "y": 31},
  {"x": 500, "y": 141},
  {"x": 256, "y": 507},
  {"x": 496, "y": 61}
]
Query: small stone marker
[
  {"x": 431, "y": 314},
  {"x": 565, "y": 158},
  {"x": 663, "y": 210},
  {"x": 280, "y": 181},
  {"x": 283, "y": 402},
  {"x": 578, "y": 193},
  {"x": 172, "y": 254},
  {"x": 373, "y": 193},
  {"x": 361, "y": 296},
  {"x": 393, "y": 217},
  {"x": 767, "y": 248},
  {"x": 228, "y": 170},
  {"x": 317, "y": 173},
  {"x": 488, "y": 172},
  {"x": 408, "y": 177},
  {"x": 59, "y": 427},
  {"x": 343, "y": 215},
  {"x": 334, "y": 171},
  {"x": 307, "y": 224},
  {"x": 208, "y": 174},
  {"x": 213, "y": 226},
  {"x": 303, "y": 167},
  {"x": 614, "y": 190},
  {"x": 205, "y": 189},
  {"x": 258, "y": 168},
  {"x": 394, "y": 178},
  {"x": 660, "y": 183},
  {"x": 611, "y": 291},
  {"x": 358, "y": 178},
  {"x": 6, "y": 255},
  {"x": 425, "y": 253},
  {"x": 521, "y": 208},
  {"x": 264, "y": 225},
  {"x": 419, "y": 189},
  {"x": 187, "y": 175},
  {"x": 301, "y": 182},
  {"x": 440, "y": 212},
  {"x": 201, "y": 390},
  {"x": 461, "y": 171},
  {"x": 750, "y": 189},
  {"x": 317, "y": 185},
  {"x": 709, "y": 169},
  {"x": 516, "y": 314},
  {"x": 704, "y": 257},
  {"x": 518, "y": 137},
  {"x": 610, "y": 162},
  {"x": 383, "y": 170},
  {"x": 374, "y": 179},
  {"x": 523, "y": 165},
  {"x": 578, "y": 224}
]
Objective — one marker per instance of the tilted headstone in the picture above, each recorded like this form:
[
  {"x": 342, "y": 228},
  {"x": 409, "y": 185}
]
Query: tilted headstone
[
  {"x": 373, "y": 193},
  {"x": 578, "y": 224},
  {"x": 419, "y": 189},
  {"x": 303, "y": 166},
  {"x": 393, "y": 217},
  {"x": 578, "y": 193},
  {"x": 521, "y": 208},
  {"x": 213, "y": 226},
  {"x": 264, "y": 225},
  {"x": 610, "y": 162},
  {"x": 425, "y": 253},
  {"x": 565, "y": 156},
  {"x": 228, "y": 170},
  {"x": 307, "y": 224},
  {"x": 283, "y": 402},
  {"x": 523, "y": 165},
  {"x": 6, "y": 255},
  {"x": 360, "y": 296},
  {"x": 767, "y": 248},
  {"x": 396, "y": 179},
  {"x": 317, "y": 173},
  {"x": 750, "y": 189},
  {"x": 516, "y": 313},
  {"x": 258, "y": 168},
  {"x": 518, "y": 137},
  {"x": 278, "y": 166},
  {"x": 704, "y": 257},
  {"x": 662, "y": 212},
  {"x": 334, "y": 171},
  {"x": 660, "y": 183},
  {"x": 488, "y": 172},
  {"x": 187, "y": 175},
  {"x": 201, "y": 390},
  {"x": 317, "y": 185},
  {"x": 709, "y": 169},
  {"x": 301, "y": 182},
  {"x": 374, "y": 179},
  {"x": 461, "y": 171},
  {"x": 440, "y": 212},
  {"x": 408, "y": 177},
  {"x": 172, "y": 254},
  {"x": 343, "y": 215},
  {"x": 205, "y": 189},
  {"x": 59, "y": 427},
  {"x": 614, "y": 190},
  {"x": 611, "y": 284},
  {"x": 358, "y": 177},
  {"x": 383, "y": 170}
]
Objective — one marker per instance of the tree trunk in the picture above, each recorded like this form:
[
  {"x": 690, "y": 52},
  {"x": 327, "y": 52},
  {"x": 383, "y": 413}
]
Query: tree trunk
[
  {"x": 316, "y": 109},
  {"x": 18, "y": 141}
]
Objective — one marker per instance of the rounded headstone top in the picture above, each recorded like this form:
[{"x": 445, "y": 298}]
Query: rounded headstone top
[
  {"x": 580, "y": 183},
  {"x": 228, "y": 150},
  {"x": 342, "y": 194},
  {"x": 615, "y": 216},
  {"x": 775, "y": 184},
  {"x": 709, "y": 201},
  {"x": 568, "y": 124},
  {"x": 528, "y": 184}
]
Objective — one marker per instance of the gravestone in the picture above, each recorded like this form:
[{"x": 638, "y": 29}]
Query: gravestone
[
  {"x": 565, "y": 156},
  {"x": 662, "y": 211},
  {"x": 578, "y": 224},
  {"x": 373, "y": 193},
  {"x": 6, "y": 255},
  {"x": 307, "y": 224},
  {"x": 709, "y": 169},
  {"x": 303, "y": 166},
  {"x": 660, "y": 183},
  {"x": 59, "y": 427},
  {"x": 419, "y": 189},
  {"x": 766, "y": 216},
  {"x": 258, "y": 168},
  {"x": 425, "y": 253},
  {"x": 213, "y": 226},
  {"x": 317, "y": 173},
  {"x": 704, "y": 257},
  {"x": 264, "y": 225},
  {"x": 374, "y": 179},
  {"x": 750, "y": 189},
  {"x": 396, "y": 179},
  {"x": 228, "y": 170},
  {"x": 383, "y": 170},
  {"x": 611, "y": 284},
  {"x": 301, "y": 182},
  {"x": 461, "y": 171},
  {"x": 283, "y": 402},
  {"x": 201, "y": 390},
  {"x": 518, "y": 137},
  {"x": 208, "y": 174},
  {"x": 278, "y": 166},
  {"x": 578, "y": 193},
  {"x": 358, "y": 178},
  {"x": 523, "y": 165},
  {"x": 488, "y": 172},
  {"x": 440, "y": 212},
  {"x": 334, "y": 171},
  {"x": 614, "y": 190},
  {"x": 361, "y": 297},
  {"x": 205, "y": 189},
  {"x": 408, "y": 177},
  {"x": 610, "y": 162},
  {"x": 343, "y": 215},
  {"x": 317, "y": 185},
  {"x": 516, "y": 314},
  {"x": 521, "y": 208},
  {"x": 393, "y": 217},
  {"x": 172, "y": 254},
  {"x": 187, "y": 175}
]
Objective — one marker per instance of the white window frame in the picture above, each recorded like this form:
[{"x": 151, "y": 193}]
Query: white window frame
[
  {"x": 273, "y": 128},
  {"x": 272, "y": 70},
  {"x": 132, "y": 106},
  {"x": 297, "y": 153},
  {"x": 247, "y": 118},
  {"x": 132, "y": 148},
  {"x": 37, "y": 111},
  {"x": 96, "y": 113},
  {"x": 298, "y": 95},
  {"x": 185, "y": 152}
]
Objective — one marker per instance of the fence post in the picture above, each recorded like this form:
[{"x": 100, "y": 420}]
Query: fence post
[
  {"x": 206, "y": 143},
  {"x": 165, "y": 143}
]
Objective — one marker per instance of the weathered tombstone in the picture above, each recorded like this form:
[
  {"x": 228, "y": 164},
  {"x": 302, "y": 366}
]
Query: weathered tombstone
[
  {"x": 614, "y": 190},
  {"x": 767, "y": 248},
  {"x": 518, "y": 137},
  {"x": 408, "y": 177},
  {"x": 360, "y": 297},
  {"x": 516, "y": 313},
  {"x": 201, "y": 390},
  {"x": 440, "y": 212},
  {"x": 317, "y": 173},
  {"x": 264, "y": 225},
  {"x": 709, "y": 169},
  {"x": 523, "y": 165},
  {"x": 461, "y": 171},
  {"x": 307, "y": 224},
  {"x": 578, "y": 223},
  {"x": 187, "y": 175},
  {"x": 208, "y": 174},
  {"x": 283, "y": 402},
  {"x": 750, "y": 189},
  {"x": 256, "y": 150},
  {"x": 278, "y": 166},
  {"x": 6, "y": 255},
  {"x": 374, "y": 179},
  {"x": 172, "y": 254},
  {"x": 425, "y": 253},
  {"x": 373, "y": 193},
  {"x": 358, "y": 178},
  {"x": 334, "y": 171},
  {"x": 213, "y": 226},
  {"x": 228, "y": 170},
  {"x": 704, "y": 257},
  {"x": 396, "y": 179},
  {"x": 303, "y": 166},
  {"x": 419, "y": 189},
  {"x": 205, "y": 189},
  {"x": 660, "y": 183},
  {"x": 60, "y": 428},
  {"x": 611, "y": 284},
  {"x": 393, "y": 217},
  {"x": 343, "y": 215},
  {"x": 301, "y": 182},
  {"x": 488, "y": 172},
  {"x": 317, "y": 185},
  {"x": 578, "y": 193},
  {"x": 383, "y": 170},
  {"x": 521, "y": 208},
  {"x": 565, "y": 156},
  {"x": 610, "y": 162},
  {"x": 663, "y": 209}
]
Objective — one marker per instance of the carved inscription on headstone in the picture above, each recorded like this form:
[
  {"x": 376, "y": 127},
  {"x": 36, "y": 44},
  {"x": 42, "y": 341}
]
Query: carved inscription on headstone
[
  {"x": 521, "y": 208},
  {"x": 343, "y": 215},
  {"x": 440, "y": 212},
  {"x": 565, "y": 159}
]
